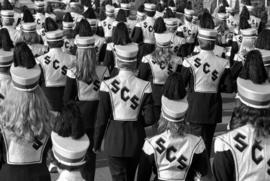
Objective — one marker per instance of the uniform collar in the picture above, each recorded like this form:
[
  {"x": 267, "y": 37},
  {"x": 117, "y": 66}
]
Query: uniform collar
[
  {"x": 148, "y": 17},
  {"x": 206, "y": 51},
  {"x": 125, "y": 73},
  {"x": 69, "y": 176},
  {"x": 55, "y": 50}
]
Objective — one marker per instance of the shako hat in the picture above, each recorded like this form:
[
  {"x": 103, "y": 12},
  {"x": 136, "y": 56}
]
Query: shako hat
[
  {"x": 85, "y": 42},
  {"x": 29, "y": 27},
  {"x": 149, "y": 7},
  {"x": 24, "y": 79},
  {"x": 68, "y": 22},
  {"x": 265, "y": 56},
  {"x": 222, "y": 16},
  {"x": 7, "y": 14},
  {"x": 250, "y": 32},
  {"x": 163, "y": 39},
  {"x": 207, "y": 34},
  {"x": 126, "y": 53},
  {"x": 253, "y": 95},
  {"x": 6, "y": 58},
  {"x": 109, "y": 10},
  {"x": 171, "y": 22},
  {"x": 39, "y": 4},
  {"x": 56, "y": 35},
  {"x": 68, "y": 151},
  {"x": 173, "y": 110}
]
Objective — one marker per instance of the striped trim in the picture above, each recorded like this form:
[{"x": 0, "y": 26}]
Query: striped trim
[
  {"x": 147, "y": 9},
  {"x": 92, "y": 45},
  {"x": 211, "y": 38},
  {"x": 29, "y": 30},
  {"x": 172, "y": 119},
  {"x": 26, "y": 88},
  {"x": 126, "y": 58},
  {"x": 69, "y": 160},
  {"x": 164, "y": 45},
  {"x": 6, "y": 64},
  {"x": 253, "y": 103},
  {"x": 54, "y": 39},
  {"x": 7, "y": 16}
]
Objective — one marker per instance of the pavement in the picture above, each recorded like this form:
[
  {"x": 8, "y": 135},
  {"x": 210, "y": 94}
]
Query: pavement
[{"x": 102, "y": 169}]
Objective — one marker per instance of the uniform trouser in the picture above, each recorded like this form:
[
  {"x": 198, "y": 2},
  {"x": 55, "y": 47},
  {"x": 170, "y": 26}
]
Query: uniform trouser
[
  {"x": 206, "y": 131},
  {"x": 88, "y": 171},
  {"x": 123, "y": 168}
]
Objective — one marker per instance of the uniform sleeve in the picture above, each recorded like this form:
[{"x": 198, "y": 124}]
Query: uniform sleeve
[
  {"x": 144, "y": 70},
  {"x": 109, "y": 60},
  {"x": 186, "y": 72},
  {"x": 103, "y": 115},
  {"x": 226, "y": 81},
  {"x": 147, "y": 107},
  {"x": 1, "y": 149},
  {"x": 70, "y": 90},
  {"x": 137, "y": 34},
  {"x": 146, "y": 163},
  {"x": 223, "y": 163},
  {"x": 102, "y": 53},
  {"x": 200, "y": 165}
]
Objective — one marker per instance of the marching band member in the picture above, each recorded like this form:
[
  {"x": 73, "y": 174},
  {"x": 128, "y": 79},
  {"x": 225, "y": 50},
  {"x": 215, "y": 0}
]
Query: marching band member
[
  {"x": 49, "y": 12},
  {"x": 30, "y": 36},
  {"x": 176, "y": 41},
  {"x": 130, "y": 22},
  {"x": 253, "y": 21},
  {"x": 106, "y": 24},
  {"x": 7, "y": 19},
  {"x": 224, "y": 34},
  {"x": 70, "y": 144},
  {"x": 40, "y": 14},
  {"x": 159, "y": 11},
  {"x": 82, "y": 85},
  {"x": 241, "y": 153},
  {"x": 6, "y": 59},
  {"x": 69, "y": 34},
  {"x": 25, "y": 128},
  {"x": 157, "y": 66},
  {"x": 54, "y": 66},
  {"x": 207, "y": 75},
  {"x": 232, "y": 21},
  {"x": 120, "y": 37},
  {"x": 175, "y": 154},
  {"x": 76, "y": 10},
  {"x": 144, "y": 31},
  {"x": 100, "y": 41},
  {"x": 140, "y": 14},
  {"x": 121, "y": 17},
  {"x": 49, "y": 25},
  {"x": 123, "y": 98},
  {"x": 188, "y": 30}
]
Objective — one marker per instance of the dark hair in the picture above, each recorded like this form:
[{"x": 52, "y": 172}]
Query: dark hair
[
  {"x": 222, "y": 9},
  {"x": 174, "y": 87},
  {"x": 50, "y": 25},
  {"x": 121, "y": 35},
  {"x": 55, "y": 44},
  {"x": 90, "y": 13},
  {"x": 69, "y": 33},
  {"x": 121, "y": 16},
  {"x": 150, "y": 13},
  {"x": 243, "y": 23},
  {"x": 159, "y": 25},
  {"x": 245, "y": 13},
  {"x": 67, "y": 17},
  {"x": 27, "y": 16},
  {"x": 5, "y": 42},
  {"x": 160, "y": 8},
  {"x": 168, "y": 13},
  {"x": 69, "y": 122},
  {"x": 206, "y": 20},
  {"x": 263, "y": 40},
  {"x": 23, "y": 56},
  {"x": 206, "y": 44},
  {"x": 85, "y": 28},
  {"x": 253, "y": 68},
  {"x": 258, "y": 118}
]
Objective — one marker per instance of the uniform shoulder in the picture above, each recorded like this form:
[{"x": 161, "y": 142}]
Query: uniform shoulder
[{"x": 146, "y": 85}]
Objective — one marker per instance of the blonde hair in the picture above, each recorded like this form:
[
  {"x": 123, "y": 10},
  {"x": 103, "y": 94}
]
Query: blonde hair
[
  {"x": 162, "y": 55},
  {"x": 177, "y": 129},
  {"x": 26, "y": 115},
  {"x": 86, "y": 64}
]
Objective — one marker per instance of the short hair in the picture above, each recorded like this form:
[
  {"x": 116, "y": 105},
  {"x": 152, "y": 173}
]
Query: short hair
[
  {"x": 253, "y": 68},
  {"x": 206, "y": 44},
  {"x": 56, "y": 44},
  {"x": 121, "y": 34},
  {"x": 23, "y": 56},
  {"x": 5, "y": 42},
  {"x": 263, "y": 40},
  {"x": 126, "y": 65},
  {"x": 159, "y": 25}
]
